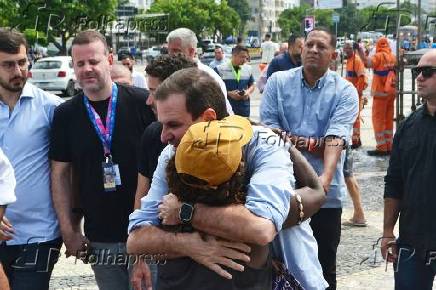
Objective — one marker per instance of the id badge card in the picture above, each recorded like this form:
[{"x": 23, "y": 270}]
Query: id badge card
[{"x": 109, "y": 175}]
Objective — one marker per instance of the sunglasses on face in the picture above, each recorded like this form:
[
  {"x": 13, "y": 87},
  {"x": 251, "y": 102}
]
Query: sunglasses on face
[{"x": 426, "y": 71}]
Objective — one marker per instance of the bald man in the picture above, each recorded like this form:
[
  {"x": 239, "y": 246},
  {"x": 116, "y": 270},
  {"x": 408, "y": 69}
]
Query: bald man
[
  {"x": 408, "y": 189},
  {"x": 121, "y": 74}
]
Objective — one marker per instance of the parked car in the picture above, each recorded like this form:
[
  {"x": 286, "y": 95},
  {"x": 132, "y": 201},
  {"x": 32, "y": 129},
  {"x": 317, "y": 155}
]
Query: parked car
[
  {"x": 54, "y": 74},
  {"x": 208, "y": 54},
  {"x": 151, "y": 53}
]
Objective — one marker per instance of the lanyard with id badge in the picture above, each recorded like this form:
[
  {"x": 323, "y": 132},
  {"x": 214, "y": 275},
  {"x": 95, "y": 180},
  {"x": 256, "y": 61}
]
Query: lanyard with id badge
[{"x": 111, "y": 172}]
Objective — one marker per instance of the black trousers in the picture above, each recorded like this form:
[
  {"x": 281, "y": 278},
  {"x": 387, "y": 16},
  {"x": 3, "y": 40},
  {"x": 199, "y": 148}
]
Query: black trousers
[
  {"x": 326, "y": 226},
  {"x": 30, "y": 266}
]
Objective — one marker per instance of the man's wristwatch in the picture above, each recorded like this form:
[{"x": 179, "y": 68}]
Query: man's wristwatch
[{"x": 186, "y": 213}]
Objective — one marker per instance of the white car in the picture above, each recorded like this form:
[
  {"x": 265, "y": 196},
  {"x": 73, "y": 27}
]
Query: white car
[{"x": 54, "y": 74}]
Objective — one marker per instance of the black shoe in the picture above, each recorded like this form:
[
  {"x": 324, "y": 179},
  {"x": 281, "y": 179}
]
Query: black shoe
[{"x": 378, "y": 153}]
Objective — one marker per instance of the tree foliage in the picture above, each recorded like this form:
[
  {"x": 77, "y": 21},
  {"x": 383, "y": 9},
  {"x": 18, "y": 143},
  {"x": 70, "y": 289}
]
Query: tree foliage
[
  {"x": 290, "y": 20},
  {"x": 7, "y": 8},
  {"x": 60, "y": 18},
  {"x": 243, "y": 9},
  {"x": 352, "y": 20},
  {"x": 201, "y": 16}
]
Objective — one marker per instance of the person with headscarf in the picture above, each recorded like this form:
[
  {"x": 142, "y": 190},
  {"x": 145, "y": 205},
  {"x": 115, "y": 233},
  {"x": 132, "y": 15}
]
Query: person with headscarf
[{"x": 382, "y": 62}]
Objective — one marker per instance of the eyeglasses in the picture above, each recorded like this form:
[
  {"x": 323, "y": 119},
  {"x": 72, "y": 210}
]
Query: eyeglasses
[
  {"x": 426, "y": 71},
  {"x": 10, "y": 65}
]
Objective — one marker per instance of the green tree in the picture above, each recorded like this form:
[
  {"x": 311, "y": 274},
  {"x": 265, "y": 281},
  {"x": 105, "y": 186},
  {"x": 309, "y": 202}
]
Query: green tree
[
  {"x": 183, "y": 13},
  {"x": 201, "y": 16},
  {"x": 224, "y": 19},
  {"x": 291, "y": 20},
  {"x": 62, "y": 19},
  {"x": 243, "y": 9},
  {"x": 384, "y": 19},
  {"x": 7, "y": 8},
  {"x": 351, "y": 20}
]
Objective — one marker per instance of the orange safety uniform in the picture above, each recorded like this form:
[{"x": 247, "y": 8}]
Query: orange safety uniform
[
  {"x": 383, "y": 103},
  {"x": 356, "y": 75}
]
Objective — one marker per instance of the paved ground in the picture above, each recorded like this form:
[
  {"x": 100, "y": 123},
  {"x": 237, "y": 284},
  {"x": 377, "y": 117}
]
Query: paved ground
[{"x": 360, "y": 266}]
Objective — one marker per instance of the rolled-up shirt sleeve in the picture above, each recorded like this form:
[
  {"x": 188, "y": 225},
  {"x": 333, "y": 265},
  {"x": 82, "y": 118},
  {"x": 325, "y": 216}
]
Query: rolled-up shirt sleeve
[
  {"x": 148, "y": 213},
  {"x": 271, "y": 184},
  {"x": 344, "y": 115},
  {"x": 269, "y": 112}
]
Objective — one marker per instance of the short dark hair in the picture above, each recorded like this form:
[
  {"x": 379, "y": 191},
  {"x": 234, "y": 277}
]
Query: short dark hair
[
  {"x": 165, "y": 65},
  {"x": 292, "y": 38},
  {"x": 267, "y": 35},
  {"x": 11, "y": 40},
  {"x": 328, "y": 31},
  {"x": 200, "y": 89},
  {"x": 238, "y": 49},
  {"x": 89, "y": 36},
  {"x": 219, "y": 47},
  {"x": 125, "y": 55}
]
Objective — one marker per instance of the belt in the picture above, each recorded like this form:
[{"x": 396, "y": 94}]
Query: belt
[
  {"x": 351, "y": 74},
  {"x": 381, "y": 73}
]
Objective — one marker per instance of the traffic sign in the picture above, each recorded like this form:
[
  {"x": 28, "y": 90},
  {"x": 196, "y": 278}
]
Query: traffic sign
[
  {"x": 309, "y": 23},
  {"x": 336, "y": 18}
]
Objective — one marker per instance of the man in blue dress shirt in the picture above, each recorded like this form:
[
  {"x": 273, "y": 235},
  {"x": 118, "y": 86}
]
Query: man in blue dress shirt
[
  {"x": 31, "y": 226},
  {"x": 317, "y": 108},
  {"x": 187, "y": 97}
]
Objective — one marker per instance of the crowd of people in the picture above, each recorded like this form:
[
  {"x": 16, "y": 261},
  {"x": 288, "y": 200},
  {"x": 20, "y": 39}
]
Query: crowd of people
[{"x": 163, "y": 182}]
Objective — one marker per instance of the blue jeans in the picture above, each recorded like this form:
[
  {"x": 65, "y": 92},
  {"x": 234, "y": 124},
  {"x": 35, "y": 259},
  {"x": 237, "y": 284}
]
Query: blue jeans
[
  {"x": 110, "y": 264},
  {"x": 411, "y": 271},
  {"x": 30, "y": 266}
]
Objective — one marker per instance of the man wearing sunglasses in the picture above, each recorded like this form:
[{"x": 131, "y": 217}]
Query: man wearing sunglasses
[
  {"x": 409, "y": 189},
  {"x": 382, "y": 62}
]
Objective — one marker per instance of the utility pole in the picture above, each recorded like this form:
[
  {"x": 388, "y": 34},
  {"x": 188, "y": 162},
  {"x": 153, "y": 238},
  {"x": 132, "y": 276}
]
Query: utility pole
[{"x": 418, "y": 41}]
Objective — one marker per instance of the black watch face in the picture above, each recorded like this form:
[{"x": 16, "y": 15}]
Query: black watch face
[{"x": 186, "y": 213}]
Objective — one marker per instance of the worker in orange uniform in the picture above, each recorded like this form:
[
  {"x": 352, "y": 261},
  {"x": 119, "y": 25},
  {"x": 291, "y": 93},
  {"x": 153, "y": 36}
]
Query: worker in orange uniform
[
  {"x": 382, "y": 62},
  {"x": 356, "y": 75}
]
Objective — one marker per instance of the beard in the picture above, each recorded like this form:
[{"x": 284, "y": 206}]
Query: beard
[
  {"x": 92, "y": 87},
  {"x": 15, "y": 84}
]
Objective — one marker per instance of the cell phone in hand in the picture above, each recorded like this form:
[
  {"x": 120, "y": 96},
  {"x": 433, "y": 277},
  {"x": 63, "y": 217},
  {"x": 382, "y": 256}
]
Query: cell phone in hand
[{"x": 241, "y": 93}]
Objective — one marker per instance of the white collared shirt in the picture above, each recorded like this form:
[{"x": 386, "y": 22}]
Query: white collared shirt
[{"x": 7, "y": 181}]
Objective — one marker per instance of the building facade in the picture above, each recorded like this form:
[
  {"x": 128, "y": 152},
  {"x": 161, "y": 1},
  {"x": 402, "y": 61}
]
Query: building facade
[{"x": 264, "y": 16}]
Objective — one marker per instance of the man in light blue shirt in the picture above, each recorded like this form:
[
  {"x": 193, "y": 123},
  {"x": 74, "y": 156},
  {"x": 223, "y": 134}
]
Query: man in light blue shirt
[
  {"x": 317, "y": 107},
  {"x": 269, "y": 189},
  {"x": 33, "y": 239}
]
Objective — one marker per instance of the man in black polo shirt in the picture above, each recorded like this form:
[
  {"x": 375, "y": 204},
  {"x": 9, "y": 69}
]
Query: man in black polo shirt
[
  {"x": 410, "y": 189},
  {"x": 94, "y": 144}
]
